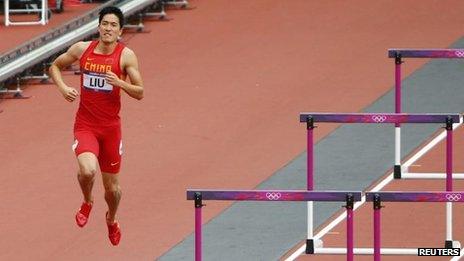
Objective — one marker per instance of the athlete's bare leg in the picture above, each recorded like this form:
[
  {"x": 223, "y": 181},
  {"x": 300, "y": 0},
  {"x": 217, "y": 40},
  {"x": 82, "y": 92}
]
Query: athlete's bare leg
[
  {"x": 112, "y": 194},
  {"x": 88, "y": 167}
]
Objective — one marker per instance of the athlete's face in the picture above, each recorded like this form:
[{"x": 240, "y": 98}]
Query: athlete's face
[{"x": 109, "y": 28}]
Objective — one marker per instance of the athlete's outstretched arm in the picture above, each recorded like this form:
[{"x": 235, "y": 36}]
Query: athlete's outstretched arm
[
  {"x": 63, "y": 61},
  {"x": 131, "y": 66}
]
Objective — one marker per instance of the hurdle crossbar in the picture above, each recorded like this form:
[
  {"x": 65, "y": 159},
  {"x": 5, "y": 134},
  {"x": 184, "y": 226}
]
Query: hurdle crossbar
[
  {"x": 431, "y": 196},
  {"x": 398, "y": 196},
  {"x": 426, "y": 53},
  {"x": 272, "y": 196},
  {"x": 379, "y": 117}
]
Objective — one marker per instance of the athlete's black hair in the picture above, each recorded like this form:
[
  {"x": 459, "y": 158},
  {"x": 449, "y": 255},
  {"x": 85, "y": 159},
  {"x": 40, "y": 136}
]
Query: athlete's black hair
[{"x": 112, "y": 10}]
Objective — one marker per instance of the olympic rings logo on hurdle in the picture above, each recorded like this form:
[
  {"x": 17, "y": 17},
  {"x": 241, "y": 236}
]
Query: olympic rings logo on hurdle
[
  {"x": 453, "y": 197},
  {"x": 459, "y": 53},
  {"x": 379, "y": 118},
  {"x": 273, "y": 195}
]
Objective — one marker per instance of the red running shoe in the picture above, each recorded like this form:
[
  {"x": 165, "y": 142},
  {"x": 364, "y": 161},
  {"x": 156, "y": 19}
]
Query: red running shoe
[
  {"x": 114, "y": 232},
  {"x": 82, "y": 216}
]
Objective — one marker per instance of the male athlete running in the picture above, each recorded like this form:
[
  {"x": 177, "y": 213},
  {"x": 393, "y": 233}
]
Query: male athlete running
[{"x": 104, "y": 64}]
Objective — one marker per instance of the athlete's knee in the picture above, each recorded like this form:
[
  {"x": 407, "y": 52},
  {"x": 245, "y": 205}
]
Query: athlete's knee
[
  {"x": 112, "y": 188},
  {"x": 88, "y": 165},
  {"x": 113, "y": 193},
  {"x": 87, "y": 173},
  {"x": 110, "y": 181}
]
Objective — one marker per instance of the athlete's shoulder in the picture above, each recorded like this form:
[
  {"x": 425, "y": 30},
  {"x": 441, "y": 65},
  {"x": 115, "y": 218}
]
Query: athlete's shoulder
[
  {"x": 126, "y": 51},
  {"x": 78, "y": 48},
  {"x": 128, "y": 57}
]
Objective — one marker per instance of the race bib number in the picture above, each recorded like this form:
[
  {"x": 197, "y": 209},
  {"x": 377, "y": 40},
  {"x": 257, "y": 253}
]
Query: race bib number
[{"x": 96, "y": 82}]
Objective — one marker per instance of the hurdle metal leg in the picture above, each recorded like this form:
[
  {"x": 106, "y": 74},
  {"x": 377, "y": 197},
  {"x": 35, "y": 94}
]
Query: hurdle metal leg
[
  {"x": 377, "y": 207},
  {"x": 310, "y": 244},
  {"x": 349, "y": 227},
  {"x": 310, "y": 157},
  {"x": 397, "y": 168},
  {"x": 449, "y": 182},
  {"x": 449, "y": 154},
  {"x": 198, "y": 205}
]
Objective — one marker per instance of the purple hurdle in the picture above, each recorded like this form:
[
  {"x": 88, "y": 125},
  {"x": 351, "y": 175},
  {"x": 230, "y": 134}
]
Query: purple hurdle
[
  {"x": 397, "y": 196},
  {"x": 398, "y": 55},
  {"x": 374, "y": 118},
  {"x": 271, "y": 196}
]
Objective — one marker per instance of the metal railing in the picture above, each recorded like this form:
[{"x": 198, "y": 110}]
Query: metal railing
[{"x": 44, "y": 47}]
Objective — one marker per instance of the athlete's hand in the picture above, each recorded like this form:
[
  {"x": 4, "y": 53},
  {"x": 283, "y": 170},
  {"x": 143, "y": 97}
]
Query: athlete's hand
[
  {"x": 70, "y": 94},
  {"x": 112, "y": 78}
]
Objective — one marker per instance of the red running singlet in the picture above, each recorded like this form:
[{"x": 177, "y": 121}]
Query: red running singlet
[{"x": 100, "y": 102}]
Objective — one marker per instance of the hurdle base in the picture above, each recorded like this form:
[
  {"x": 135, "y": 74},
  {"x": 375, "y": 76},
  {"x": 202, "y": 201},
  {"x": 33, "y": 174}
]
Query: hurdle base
[
  {"x": 448, "y": 244},
  {"x": 425, "y": 175},
  {"x": 311, "y": 244},
  {"x": 452, "y": 244},
  {"x": 366, "y": 251},
  {"x": 397, "y": 172}
]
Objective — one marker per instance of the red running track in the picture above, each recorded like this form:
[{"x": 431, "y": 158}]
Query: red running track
[{"x": 224, "y": 85}]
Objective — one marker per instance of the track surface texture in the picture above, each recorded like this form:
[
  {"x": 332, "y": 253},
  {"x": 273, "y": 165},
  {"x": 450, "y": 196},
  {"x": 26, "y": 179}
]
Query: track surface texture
[{"x": 224, "y": 85}]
